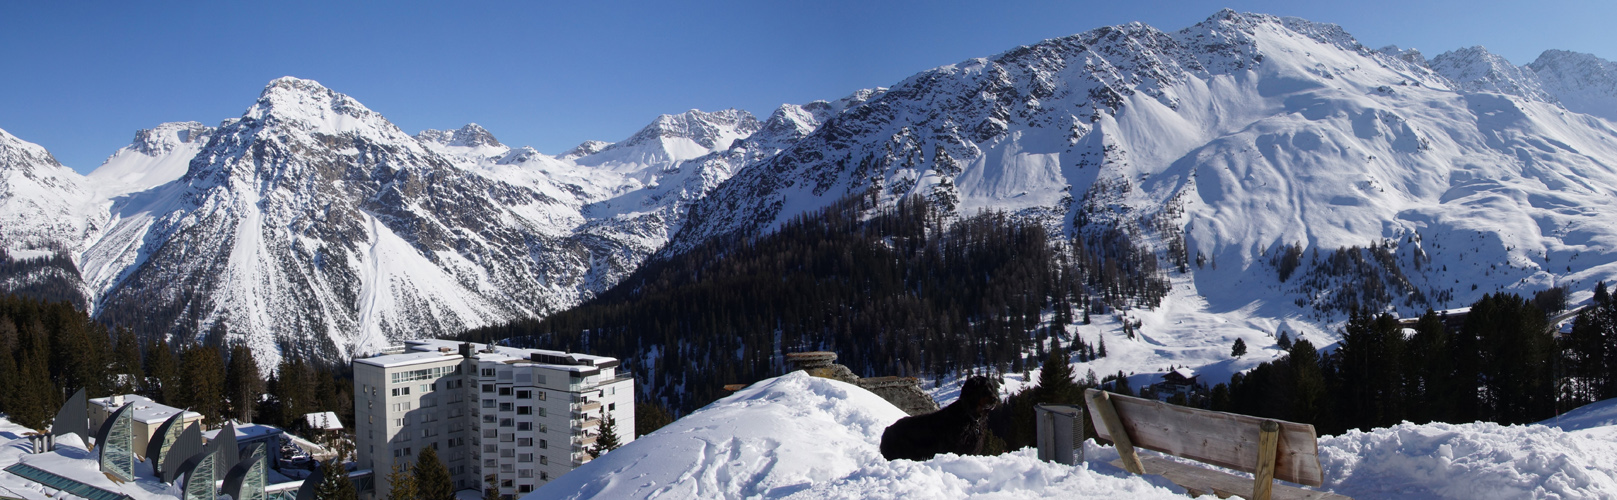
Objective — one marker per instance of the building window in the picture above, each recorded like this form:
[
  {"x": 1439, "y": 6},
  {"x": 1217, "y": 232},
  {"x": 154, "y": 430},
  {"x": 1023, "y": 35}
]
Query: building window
[
  {"x": 525, "y": 472},
  {"x": 489, "y": 448},
  {"x": 544, "y": 460},
  {"x": 401, "y": 391},
  {"x": 490, "y": 433},
  {"x": 543, "y": 427},
  {"x": 488, "y": 372},
  {"x": 426, "y": 388},
  {"x": 541, "y": 394},
  {"x": 490, "y": 418},
  {"x": 611, "y": 407},
  {"x": 544, "y": 444},
  {"x": 524, "y": 394},
  {"x": 524, "y": 410},
  {"x": 488, "y": 388},
  {"x": 488, "y": 403},
  {"x": 524, "y": 426},
  {"x": 541, "y": 411},
  {"x": 505, "y": 391},
  {"x": 508, "y": 453},
  {"x": 505, "y": 406},
  {"x": 526, "y": 487},
  {"x": 407, "y": 452},
  {"x": 490, "y": 462},
  {"x": 525, "y": 457},
  {"x": 507, "y": 468},
  {"x": 507, "y": 438},
  {"x": 398, "y": 422},
  {"x": 505, "y": 422},
  {"x": 524, "y": 442},
  {"x": 544, "y": 476}
]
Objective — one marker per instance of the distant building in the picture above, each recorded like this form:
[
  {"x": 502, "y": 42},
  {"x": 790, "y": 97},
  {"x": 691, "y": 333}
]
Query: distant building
[
  {"x": 148, "y": 416},
  {"x": 525, "y": 416},
  {"x": 1178, "y": 381}
]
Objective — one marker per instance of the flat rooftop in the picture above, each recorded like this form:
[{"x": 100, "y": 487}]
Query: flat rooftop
[
  {"x": 145, "y": 410},
  {"x": 425, "y": 351}
]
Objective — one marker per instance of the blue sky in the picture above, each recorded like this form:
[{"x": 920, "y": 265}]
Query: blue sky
[{"x": 81, "y": 77}]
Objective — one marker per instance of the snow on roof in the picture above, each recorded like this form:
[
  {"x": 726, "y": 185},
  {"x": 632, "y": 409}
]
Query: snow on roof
[
  {"x": 1184, "y": 372},
  {"x": 145, "y": 410},
  {"x": 408, "y": 358},
  {"x": 245, "y": 432},
  {"x": 324, "y": 420}
]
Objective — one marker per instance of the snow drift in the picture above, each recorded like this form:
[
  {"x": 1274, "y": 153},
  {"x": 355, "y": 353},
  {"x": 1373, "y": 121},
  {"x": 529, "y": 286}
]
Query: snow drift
[{"x": 797, "y": 436}]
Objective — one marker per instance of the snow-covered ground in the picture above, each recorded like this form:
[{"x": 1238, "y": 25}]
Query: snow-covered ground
[{"x": 801, "y": 437}]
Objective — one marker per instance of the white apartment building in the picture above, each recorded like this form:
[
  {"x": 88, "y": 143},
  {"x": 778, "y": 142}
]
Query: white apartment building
[{"x": 524, "y": 415}]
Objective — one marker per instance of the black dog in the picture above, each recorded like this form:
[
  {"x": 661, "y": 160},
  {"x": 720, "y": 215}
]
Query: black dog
[{"x": 958, "y": 428}]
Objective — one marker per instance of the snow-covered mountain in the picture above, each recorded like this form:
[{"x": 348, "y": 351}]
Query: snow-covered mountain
[
  {"x": 1236, "y": 139},
  {"x": 44, "y": 207},
  {"x": 311, "y": 223}
]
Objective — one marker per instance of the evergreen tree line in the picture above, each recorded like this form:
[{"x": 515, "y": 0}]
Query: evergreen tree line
[
  {"x": 49, "y": 350},
  {"x": 50, "y": 278},
  {"x": 1502, "y": 364},
  {"x": 893, "y": 291}
]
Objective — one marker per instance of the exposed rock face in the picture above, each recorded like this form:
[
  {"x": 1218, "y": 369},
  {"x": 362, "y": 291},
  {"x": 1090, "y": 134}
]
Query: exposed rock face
[{"x": 903, "y": 392}]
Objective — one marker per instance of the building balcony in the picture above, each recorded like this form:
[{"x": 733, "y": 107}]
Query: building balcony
[
  {"x": 587, "y": 406},
  {"x": 594, "y": 422}
]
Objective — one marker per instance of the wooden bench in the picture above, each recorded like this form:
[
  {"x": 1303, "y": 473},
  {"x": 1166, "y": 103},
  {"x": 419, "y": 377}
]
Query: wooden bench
[{"x": 1269, "y": 449}]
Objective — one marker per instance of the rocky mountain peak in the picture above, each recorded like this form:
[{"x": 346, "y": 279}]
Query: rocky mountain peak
[
  {"x": 165, "y": 137},
  {"x": 1477, "y": 70},
  {"x": 703, "y": 128},
  {"x": 17, "y": 154},
  {"x": 470, "y": 136},
  {"x": 585, "y": 148},
  {"x": 1583, "y": 82}
]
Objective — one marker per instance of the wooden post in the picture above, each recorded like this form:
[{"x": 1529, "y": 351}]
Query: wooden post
[
  {"x": 1263, "y": 479},
  {"x": 1120, "y": 437}
]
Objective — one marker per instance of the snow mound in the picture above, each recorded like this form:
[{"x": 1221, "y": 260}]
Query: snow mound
[
  {"x": 1470, "y": 461},
  {"x": 1590, "y": 416},
  {"x": 797, "y": 436}
]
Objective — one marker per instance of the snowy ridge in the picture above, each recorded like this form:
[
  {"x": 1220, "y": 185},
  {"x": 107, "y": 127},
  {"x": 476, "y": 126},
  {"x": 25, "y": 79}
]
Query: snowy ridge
[
  {"x": 44, "y": 207},
  {"x": 157, "y": 156},
  {"x": 471, "y": 144}
]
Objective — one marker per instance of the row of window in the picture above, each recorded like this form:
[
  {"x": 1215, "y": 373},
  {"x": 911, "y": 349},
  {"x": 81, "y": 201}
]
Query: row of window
[
  {"x": 521, "y": 394},
  {"x": 424, "y": 374}
]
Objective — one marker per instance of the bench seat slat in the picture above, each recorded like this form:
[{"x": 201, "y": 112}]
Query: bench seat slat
[
  {"x": 1224, "y": 439},
  {"x": 1202, "y": 481}
]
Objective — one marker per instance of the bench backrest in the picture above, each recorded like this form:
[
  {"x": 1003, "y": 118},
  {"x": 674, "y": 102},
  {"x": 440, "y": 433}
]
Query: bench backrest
[{"x": 1223, "y": 439}]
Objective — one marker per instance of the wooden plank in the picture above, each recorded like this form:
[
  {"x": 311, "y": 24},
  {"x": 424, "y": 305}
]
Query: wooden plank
[
  {"x": 1224, "y": 485},
  {"x": 1264, "y": 478},
  {"x": 1100, "y": 408},
  {"x": 1224, "y": 439}
]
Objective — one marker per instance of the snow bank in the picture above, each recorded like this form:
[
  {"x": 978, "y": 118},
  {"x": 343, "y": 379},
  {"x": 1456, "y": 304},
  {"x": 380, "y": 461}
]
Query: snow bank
[
  {"x": 1471, "y": 461},
  {"x": 797, "y": 436}
]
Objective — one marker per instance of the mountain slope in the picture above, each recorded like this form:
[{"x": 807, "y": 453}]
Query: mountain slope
[{"x": 1219, "y": 144}]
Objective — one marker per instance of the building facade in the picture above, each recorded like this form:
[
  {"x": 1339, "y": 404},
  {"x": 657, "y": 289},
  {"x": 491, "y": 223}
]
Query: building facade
[{"x": 524, "y": 416}]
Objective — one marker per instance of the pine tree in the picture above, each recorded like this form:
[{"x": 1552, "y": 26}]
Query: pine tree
[
  {"x": 608, "y": 440},
  {"x": 1285, "y": 341},
  {"x": 650, "y": 416},
  {"x": 401, "y": 483},
  {"x": 243, "y": 384},
  {"x": 1102, "y": 352},
  {"x": 432, "y": 479},
  {"x": 162, "y": 373},
  {"x": 334, "y": 483},
  {"x": 1056, "y": 385},
  {"x": 294, "y": 387},
  {"x": 202, "y": 375},
  {"x": 126, "y": 363},
  {"x": 1310, "y": 398},
  {"x": 8, "y": 364},
  {"x": 1121, "y": 385},
  {"x": 1239, "y": 349},
  {"x": 491, "y": 487}
]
